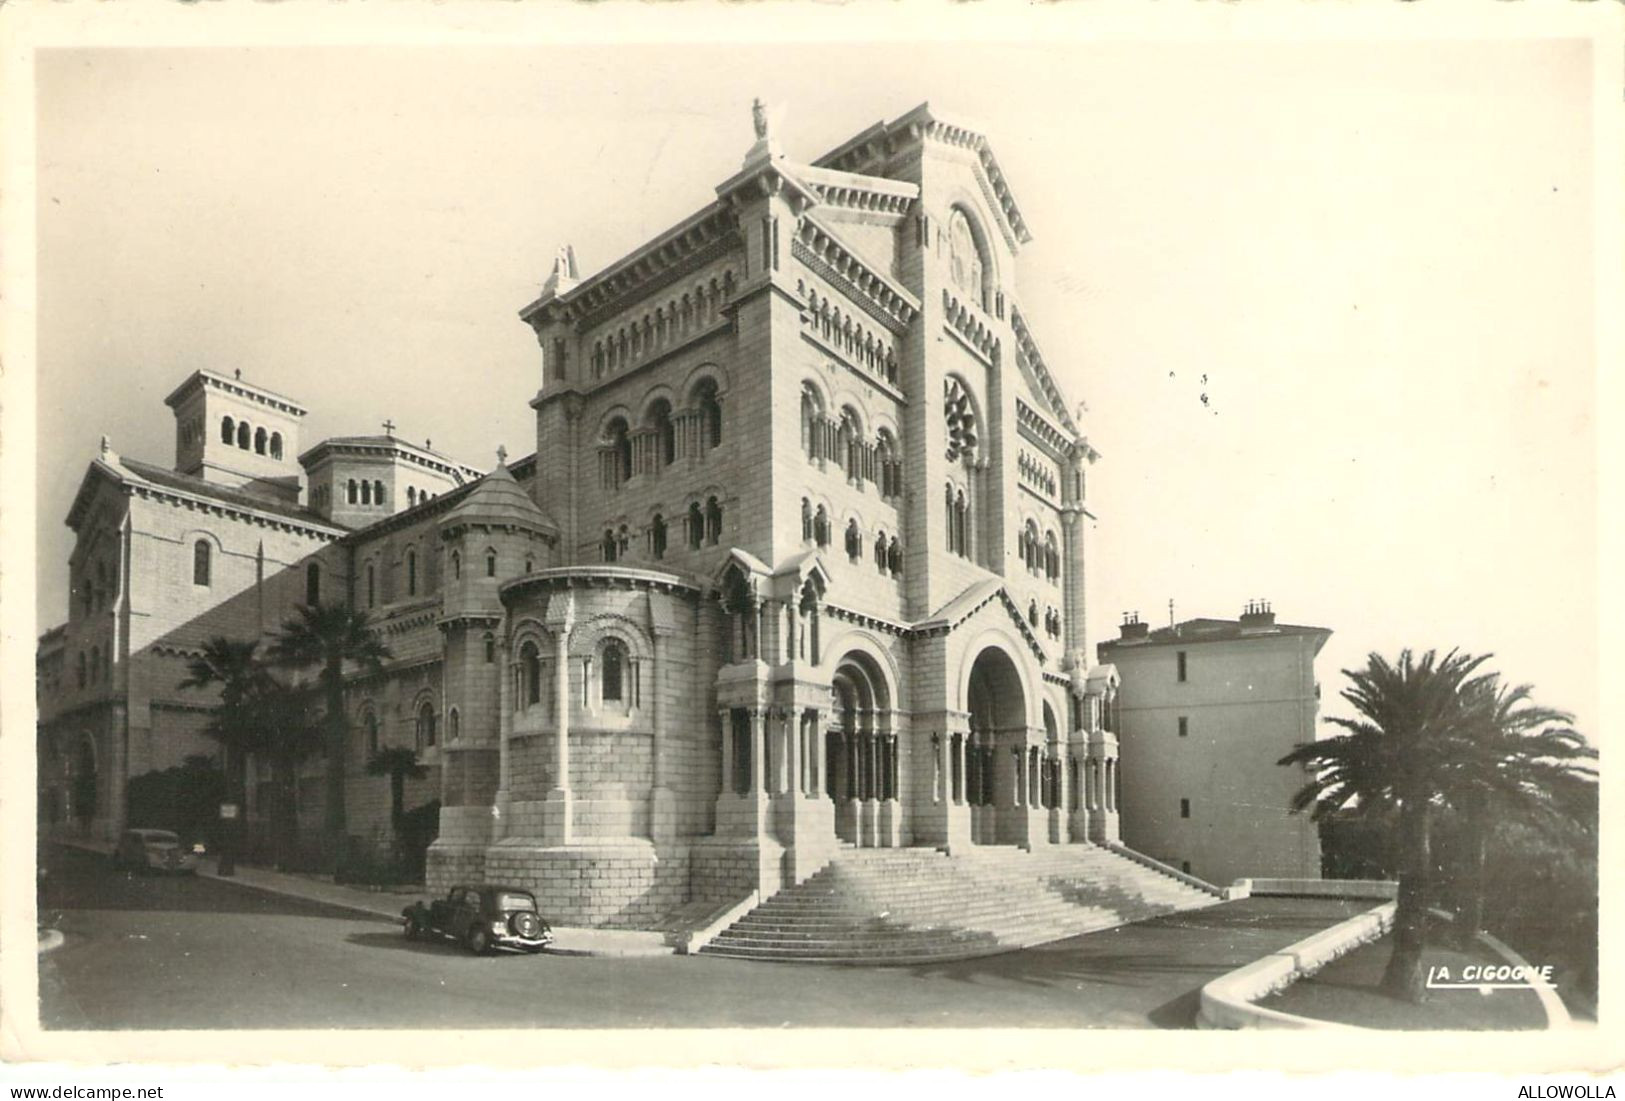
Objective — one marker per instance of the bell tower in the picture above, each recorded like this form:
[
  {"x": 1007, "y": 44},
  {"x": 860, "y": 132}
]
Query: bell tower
[{"x": 234, "y": 433}]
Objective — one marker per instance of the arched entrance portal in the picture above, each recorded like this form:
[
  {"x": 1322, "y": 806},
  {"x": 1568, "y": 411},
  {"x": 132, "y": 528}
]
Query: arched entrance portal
[
  {"x": 861, "y": 749},
  {"x": 994, "y": 757}
]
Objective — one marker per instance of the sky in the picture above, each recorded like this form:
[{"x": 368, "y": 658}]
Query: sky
[{"x": 1330, "y": 304}]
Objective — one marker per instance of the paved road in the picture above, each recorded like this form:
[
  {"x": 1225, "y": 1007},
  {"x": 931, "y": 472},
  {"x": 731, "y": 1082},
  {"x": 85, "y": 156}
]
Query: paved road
[{"x": 158, "y": 953}]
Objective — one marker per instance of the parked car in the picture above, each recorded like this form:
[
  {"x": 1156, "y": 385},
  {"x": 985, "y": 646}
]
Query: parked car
[
  {"x": 155, "y": 851},
  {"x": 481, "y": 918}
]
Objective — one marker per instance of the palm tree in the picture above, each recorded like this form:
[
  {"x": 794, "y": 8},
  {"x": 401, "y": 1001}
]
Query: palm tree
[
  {"x": 235, "y": 668},
  {"x": 328, "y": 636},
  {"x": 1399, "y": 756},
  {"x": 398, "y": 763},
  {"x": 1529, "y": 764},
  {"x": 292, "y": 731}
]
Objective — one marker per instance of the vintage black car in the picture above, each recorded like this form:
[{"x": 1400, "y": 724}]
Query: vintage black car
[{"x": 481, "y": 918}]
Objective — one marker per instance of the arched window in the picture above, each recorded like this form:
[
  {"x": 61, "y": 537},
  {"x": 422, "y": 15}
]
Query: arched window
[
  {"x": 350, "y": 492},
  {"x": 313, "y": 584},
  {"x": 812, "y": 415},
  {"x": 608, "y": 546},
  {"x": 425, "y": 726},
  {"x": 854, "y": 541},
  {"x": 261, "y": 441},
  {"x": 696, "y": 526},
  {"x": 490, "y": 648},
  {"x": 454, "y": 725},
  {"x": 366, "y": 492},
  {"x": 962, "y": 523},
  {"x": 377, "y": 493},
  {"x": 201, "y": 552},
  {"x": 276, "y": 445},
  {"x": 530, "y": 673},
  {"x": 713, "y": 520},
  {"x": 886, "y": 464},
  {"x": 1032, "y": 612},
  {"x": 242, "y": 435},
  {"x": 948, "y": 512},
  {"x": 411, "y": 496},
  {"x": 659, "y": 419},
  {"x": 411, "y": 572},
  {"x": 617, "y": 452},
  {"x": 456, "y": 565},
  {"x": 491, "y": 563},
  {"x": 369, "y": 725},
  {"x": 959, "y": 415},
  {"x": 657, "y": 536},
  {"x": 821, "y": 527},
  {"x": 1052, "y": 557},
  {"x": 530, "y": 566},
  {"x": 880, "y": 551},
  {"x": 228, "y": 430},
  {"x": 849, "y": 440},
  {"x": 806, "y": 520},
  {"x": 709, "y": 406},
  {"x": 965, "y": 261},
  {"x": 613, "y": 670},
  {"x": 372, "y": 586},
  {"x": 894, "y": 557}
]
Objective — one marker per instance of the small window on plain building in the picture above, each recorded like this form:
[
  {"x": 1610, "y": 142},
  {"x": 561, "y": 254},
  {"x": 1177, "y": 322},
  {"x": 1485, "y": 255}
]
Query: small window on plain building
[
  {"x": 201, "y": 552},
  {"x": 1184, "y": 726},
  {"x": 490, "y": 563},
  {"x": 1184, "y": 808},
  {"x": 1181, "y": 660}
]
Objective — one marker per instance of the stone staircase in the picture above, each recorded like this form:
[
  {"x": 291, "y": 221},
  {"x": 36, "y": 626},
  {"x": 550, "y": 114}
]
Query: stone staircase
[{"x": 892, "y": 906}]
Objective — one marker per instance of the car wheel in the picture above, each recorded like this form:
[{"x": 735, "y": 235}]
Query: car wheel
[{"x": 479, "y": 940}]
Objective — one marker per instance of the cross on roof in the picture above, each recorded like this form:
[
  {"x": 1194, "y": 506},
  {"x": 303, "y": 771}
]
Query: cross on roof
[
  {"x": 389, "y": 428},
  {"x": 502, "y": 455}
]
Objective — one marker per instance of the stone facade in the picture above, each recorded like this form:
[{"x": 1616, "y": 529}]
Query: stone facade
[{"x": 798, "y": 561}]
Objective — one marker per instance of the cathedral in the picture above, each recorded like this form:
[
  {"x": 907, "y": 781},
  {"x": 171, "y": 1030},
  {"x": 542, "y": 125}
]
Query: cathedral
[{"x": 796, "y": 569}]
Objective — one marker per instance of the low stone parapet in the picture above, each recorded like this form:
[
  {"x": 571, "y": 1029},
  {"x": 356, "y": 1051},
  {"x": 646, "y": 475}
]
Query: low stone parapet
[
  {"x": 1382, "y": 889},
  {"x": 1228, "y": 1002}
]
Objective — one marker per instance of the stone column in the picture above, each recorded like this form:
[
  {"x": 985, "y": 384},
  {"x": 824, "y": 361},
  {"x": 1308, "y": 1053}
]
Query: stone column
[
  {"x": 758, "y": 751},
  {"x": 662, "y": 803},
  {"x": 499, "y": 828},
  {"x": 558, "y": 826},
  {"x": 793, "y": 767},
  {"x": 725, "y": 714}
]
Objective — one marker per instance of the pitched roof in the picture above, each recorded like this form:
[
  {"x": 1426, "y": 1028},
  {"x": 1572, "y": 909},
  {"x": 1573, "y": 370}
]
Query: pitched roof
[
  {"x": 227, "y": 495},
  {"x": 1212, "y": 630},
  {"x": 498, "y": 499}
]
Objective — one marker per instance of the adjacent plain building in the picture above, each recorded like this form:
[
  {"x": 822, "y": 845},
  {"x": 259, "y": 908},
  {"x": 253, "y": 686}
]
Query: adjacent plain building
[{"x": 1205, "y": 709}]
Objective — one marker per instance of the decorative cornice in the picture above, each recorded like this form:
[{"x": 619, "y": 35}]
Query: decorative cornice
[
  {"x": 870, "y": 289},
  {"x": 392, "y": 449},
  {"x": 967, "y": 323},
  {"x": 230, "y": 512},
  {"x": 637, "y": 272},
  {"x": 466, "y": 618},
  {"x": 237, "y": 388},
  {"x": 931, "y": 627},
  {"x": 1027, "y": 349},
  {"x": 572, "y": 577},
  {"x": 864, "y": 619},
  {"x": 1035, "y": 427}
]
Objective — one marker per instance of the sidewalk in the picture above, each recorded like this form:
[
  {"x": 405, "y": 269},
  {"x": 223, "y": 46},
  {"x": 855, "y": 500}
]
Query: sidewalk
[{"x": 387, "y": 903}]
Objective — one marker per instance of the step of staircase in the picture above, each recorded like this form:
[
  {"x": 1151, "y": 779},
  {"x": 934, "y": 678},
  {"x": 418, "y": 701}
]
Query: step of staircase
[{"x": 897, "y": 906}]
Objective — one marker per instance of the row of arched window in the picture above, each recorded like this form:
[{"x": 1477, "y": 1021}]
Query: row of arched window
[
  {"x": 98, "y": 667},
  {"x": 693, "y": 311},
  {"x": 1052, "y": 619},
  {"x": 425, "y": 728},
  {"x": 662, "y": 438},
  {"x": 841, "y": 440},
  {"x": 364, "y": 492},
  {"x": 96, "y": 591},
  {"x": 1037, "y": 474},
  {"x": 815, "y": 528},
  {"x": 1040, "y": 556},
  {"x": 246, "y": 437},
  {"x": 614, "y": 682},
  {"x": 702, "y": 526},
  {"x": 874, "y": 354}
]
